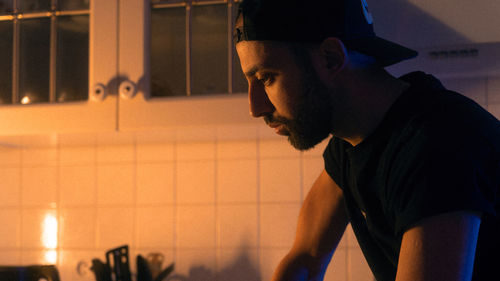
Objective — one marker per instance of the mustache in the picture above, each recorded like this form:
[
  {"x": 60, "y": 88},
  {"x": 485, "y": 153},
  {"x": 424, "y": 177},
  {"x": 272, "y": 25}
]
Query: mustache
[{"x": 271, "y": 119}]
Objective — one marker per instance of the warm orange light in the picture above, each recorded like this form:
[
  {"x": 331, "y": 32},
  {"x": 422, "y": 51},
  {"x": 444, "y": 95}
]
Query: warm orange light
[
  {"x": 49, "y": 238},
  {"x": 25, "y": 100}
]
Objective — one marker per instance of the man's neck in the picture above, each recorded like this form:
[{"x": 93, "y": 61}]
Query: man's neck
[{"x": 372, "y": 96}]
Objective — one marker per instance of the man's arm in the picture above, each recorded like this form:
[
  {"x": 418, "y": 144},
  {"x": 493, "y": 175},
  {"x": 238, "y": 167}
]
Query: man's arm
[
  {"x": 440, "y": 248},
  {"x": 322, "y": 222}
]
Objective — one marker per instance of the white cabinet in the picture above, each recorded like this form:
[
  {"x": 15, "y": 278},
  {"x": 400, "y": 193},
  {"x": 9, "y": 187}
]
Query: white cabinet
[
  {"x": 142, "y": 112},
  {"x": 119, "y": 59},
  {"x": 89, "y": 116}
]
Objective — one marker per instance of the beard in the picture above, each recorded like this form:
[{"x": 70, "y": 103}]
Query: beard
[{"x": 311, "y": 122}]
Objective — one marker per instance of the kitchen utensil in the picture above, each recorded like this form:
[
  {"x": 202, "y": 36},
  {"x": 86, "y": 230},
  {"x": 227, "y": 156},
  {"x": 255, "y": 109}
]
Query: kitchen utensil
[
  {"x": 118, "y": 261},
  {"x": 101, "y": 270},
  {"x": 143, "y": 271}
]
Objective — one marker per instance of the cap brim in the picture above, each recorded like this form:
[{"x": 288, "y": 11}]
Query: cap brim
[{"x": 386, "y": 52}]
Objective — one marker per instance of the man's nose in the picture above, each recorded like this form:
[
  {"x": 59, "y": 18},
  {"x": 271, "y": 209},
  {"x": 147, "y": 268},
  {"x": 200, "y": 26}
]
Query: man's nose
[{"x": 260, "y": 104}]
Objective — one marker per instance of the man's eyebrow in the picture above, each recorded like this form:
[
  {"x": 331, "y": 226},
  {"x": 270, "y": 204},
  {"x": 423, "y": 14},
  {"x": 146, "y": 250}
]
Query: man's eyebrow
[{"x": 252, "y": 71}]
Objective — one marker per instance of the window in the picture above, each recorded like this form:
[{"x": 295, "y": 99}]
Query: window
[
  {"x": 192, "y": 52},
  {"x": 44, "y": 51}
]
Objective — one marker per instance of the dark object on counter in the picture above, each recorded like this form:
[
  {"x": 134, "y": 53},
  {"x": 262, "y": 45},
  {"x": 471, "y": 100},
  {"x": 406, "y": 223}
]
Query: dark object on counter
[
  {"x": 29, "y": 273},
  {"x": 101, "y": 270},
  {"x": 165, "y": 273},
  {"x": 119, "y": 263},
  {"x": 116, "y": 268},
  {"x": 144, "y": 272}
]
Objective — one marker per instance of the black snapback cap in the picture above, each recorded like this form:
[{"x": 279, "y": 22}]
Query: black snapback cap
[{"x": 314, "y": 21}]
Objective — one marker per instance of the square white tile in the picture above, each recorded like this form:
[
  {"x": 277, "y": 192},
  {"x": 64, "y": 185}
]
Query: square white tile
[
  {"x": 238, "y": 226},
  {"x": 77, "y": 155},
  {"x": 11, "y": 186},
  {"x": 238, "y": 264},
  {"x": 195, "y": 182},
  {"x": 237, "y": 150},
  {"x": 237, "y": 181},
  {"x": 39, "y": 186},
  {"x": 115, "y": 184},
  {"x": 77, "y": 228},
  {"x": 155, "y": 152},
  {"x": 193, "y": 151},
  {"x": 77, "y": 185},
  {"x": 115, "y": 227},
  {"x": 277, "y": 148},
  {"x": 40, "y": 156},
  {"x": 236, "y": 132},
  {"x": 123, "y": 153},
  {"x": 10, "y": 232},
  {"x": 10, "y": 156},
  {"x": 280, "y": 180},
  {"x": 155, "y": 227},
  {"x": 311, "y": 169},
  {"x": 10, "y": 257},
  {"x": 278, "y": 224},
  {"x": 195, "y": 264},
  {"x": 155, "y": 183},
  {"x": 195, "y": 227},
  {"x": 42, "y": 257},
  {"x": 39, "y": 228}
]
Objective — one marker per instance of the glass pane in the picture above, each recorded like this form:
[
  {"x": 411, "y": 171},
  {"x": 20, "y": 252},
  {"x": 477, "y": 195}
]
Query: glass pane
[
  {"x": 34, "y": 5},
  {"x": 168, "y": 52},
  {"x": 72, "y": 58},
  {"x": 74, "y": 4},
  {"x": 34, "y": 60},
  {"x": 209, "y": 49},
  {"x": 240, "y": 84},
  {"x": 5, "y": 7},
  {"x": 6, "y": 28}
]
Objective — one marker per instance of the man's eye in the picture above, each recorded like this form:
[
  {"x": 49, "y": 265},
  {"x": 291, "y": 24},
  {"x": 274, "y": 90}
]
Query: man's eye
[{"x": 266, "y": 79}]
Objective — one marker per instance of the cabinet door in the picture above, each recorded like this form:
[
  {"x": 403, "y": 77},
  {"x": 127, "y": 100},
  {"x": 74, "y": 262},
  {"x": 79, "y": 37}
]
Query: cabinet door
[
  {"x": 195, "y": 75},
  {"x": 98, "y": 113}
]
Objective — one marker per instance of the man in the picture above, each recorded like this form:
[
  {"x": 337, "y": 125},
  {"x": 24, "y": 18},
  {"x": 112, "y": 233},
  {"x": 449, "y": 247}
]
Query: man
[{"x": 413, "y": 167}]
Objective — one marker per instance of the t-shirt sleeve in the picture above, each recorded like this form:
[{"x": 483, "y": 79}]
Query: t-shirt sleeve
[
  {"x": 433, "y": 176},
  {"x": 333, "y": 158}
]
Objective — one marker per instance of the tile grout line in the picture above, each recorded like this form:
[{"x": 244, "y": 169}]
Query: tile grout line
[
  {"x": 218, "y": 252},
  {"x": 259, "y": 205},
  {"x": 174, "y": 199}
]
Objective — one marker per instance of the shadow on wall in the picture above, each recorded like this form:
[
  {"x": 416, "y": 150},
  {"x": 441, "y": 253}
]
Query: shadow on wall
[
  {"x": 407, "y": 24},
  {"x": 241, "y": 269}
]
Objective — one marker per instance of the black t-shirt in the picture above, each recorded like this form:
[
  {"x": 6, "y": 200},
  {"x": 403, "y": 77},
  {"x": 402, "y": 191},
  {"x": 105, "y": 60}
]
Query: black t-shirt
[{"x": 434, "y": 152}]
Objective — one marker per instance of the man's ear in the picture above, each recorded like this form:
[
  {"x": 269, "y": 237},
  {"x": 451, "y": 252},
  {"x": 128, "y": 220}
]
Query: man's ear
[{"x": 334, "y": 55}]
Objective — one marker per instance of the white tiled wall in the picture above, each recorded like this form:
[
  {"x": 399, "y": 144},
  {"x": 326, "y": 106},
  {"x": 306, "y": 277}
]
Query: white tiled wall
[{"x": 224, "y": 208}]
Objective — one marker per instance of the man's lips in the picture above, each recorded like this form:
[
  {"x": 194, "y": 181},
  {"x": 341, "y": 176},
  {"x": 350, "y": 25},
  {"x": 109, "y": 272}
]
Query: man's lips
[{"x": 279, "y": 128}]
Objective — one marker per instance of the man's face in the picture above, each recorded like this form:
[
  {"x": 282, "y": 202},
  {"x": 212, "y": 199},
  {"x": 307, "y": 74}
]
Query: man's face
[{"x": 285, "y": 90}]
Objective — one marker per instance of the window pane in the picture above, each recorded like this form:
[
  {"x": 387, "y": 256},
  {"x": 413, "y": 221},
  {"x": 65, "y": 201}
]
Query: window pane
[
  {"x": 6, "y": 65},
  {"x": 168, "y": 52},
  {"x": 34, "y": 5},
  {"x": 72, "y": 58},
  {"x": 74, "y": 4},
  {"x": 209, "y": 49},
  {"x": 5, "y": 7},
  {"x": 34, "y": 60}
]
